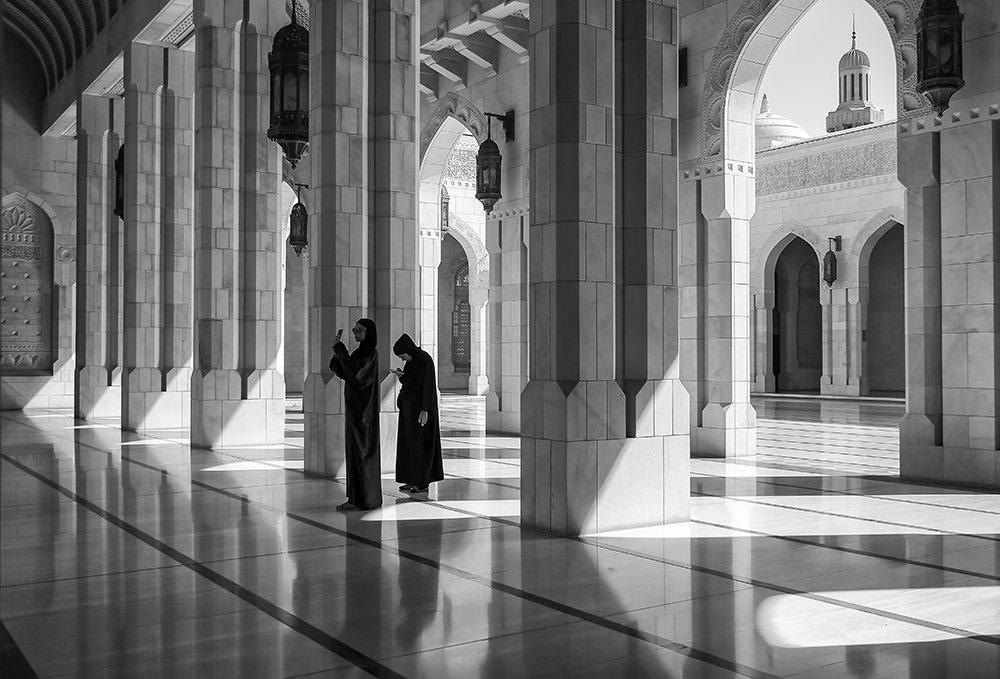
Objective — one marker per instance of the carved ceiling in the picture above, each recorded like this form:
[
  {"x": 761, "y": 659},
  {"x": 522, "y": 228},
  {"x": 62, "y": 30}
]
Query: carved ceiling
[{"x": 58, "y": 32}]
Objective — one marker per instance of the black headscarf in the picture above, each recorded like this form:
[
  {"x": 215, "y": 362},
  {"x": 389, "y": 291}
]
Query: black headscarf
[
  {"x": 405, "y": 345},
  {"x": 370, "y": 342}
]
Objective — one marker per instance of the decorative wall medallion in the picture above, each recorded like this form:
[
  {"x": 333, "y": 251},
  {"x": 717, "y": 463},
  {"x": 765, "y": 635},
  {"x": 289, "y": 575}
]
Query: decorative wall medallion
[{"x": 65, "y": 253}]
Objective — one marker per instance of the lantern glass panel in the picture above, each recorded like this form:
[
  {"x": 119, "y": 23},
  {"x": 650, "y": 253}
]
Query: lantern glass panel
[
  {"x": 303, "y": 89},
  {"x": 290, "y": 92},
  {"x": 275, "y": 96}
]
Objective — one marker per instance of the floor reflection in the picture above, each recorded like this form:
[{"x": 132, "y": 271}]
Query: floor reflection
[{"x": 128, "y": 555}]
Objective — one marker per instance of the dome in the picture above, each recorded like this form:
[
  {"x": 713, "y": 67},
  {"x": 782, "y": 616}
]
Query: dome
[
  {"x": 854, "y": 58},
  {"x": 772, "y": 130}
]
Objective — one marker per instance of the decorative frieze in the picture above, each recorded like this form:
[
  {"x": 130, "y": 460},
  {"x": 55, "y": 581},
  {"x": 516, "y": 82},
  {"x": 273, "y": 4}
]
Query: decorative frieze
[{"x": 841, "y": 165}]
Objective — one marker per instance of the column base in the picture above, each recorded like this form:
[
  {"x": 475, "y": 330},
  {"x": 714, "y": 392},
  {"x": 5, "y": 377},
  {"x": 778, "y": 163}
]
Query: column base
[
  {"x": 584, "y": 487},
  {"x": 146, "y": 405},
  {"x": 506, "y": 421},
  {"x": 97, "y": 395},
  {"x": 726, "y": 431},
  {"x": 222, "y": 417},
  {"x": 479, "y": 385},
  {"x": 582, "y": 473},
  {"x": 323, "y": 411}
]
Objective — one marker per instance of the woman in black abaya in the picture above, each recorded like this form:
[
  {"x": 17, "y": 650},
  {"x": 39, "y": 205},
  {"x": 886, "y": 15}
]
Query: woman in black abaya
[
  {"x": 362, "y": 447},
  {"x": 418, "y": 445}
]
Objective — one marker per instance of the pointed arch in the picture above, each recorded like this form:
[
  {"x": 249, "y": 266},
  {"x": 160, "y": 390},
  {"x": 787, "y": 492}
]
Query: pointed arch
[
  {"x": 750, "y": 40},
  {"x": 461, "y": 109},
  {"x": 865, "y": 241},
  {"x": 767, "y": 257}
]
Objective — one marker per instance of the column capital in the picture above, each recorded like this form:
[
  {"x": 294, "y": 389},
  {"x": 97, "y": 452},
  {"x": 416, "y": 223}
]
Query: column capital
[{"x": 728, "y": 196}]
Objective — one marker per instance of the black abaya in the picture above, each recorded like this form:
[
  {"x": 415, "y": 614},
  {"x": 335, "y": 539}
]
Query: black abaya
[
  {"x": 362, "y": 446},
  {"x": 418, "y": 448}
]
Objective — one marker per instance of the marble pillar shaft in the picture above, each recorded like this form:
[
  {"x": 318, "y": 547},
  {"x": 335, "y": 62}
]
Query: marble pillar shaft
[
  {"x": 726, "y": 424},
  {"x": 647, "y": 223},
  {"x": 98, "y": 374},
  {"x": 157, "y": 236},
  {"x": 578, "y": 460},
  {"x": 394, "y": 171},
  {"x": 237, "y": 389},
  {"x": 337, "y": 294},
  {"x": 920, "y": 433},
  {"x": 479, "y": 341},
  {"x": 951, "y": 430},
  {"x": 506, "y": 242}
]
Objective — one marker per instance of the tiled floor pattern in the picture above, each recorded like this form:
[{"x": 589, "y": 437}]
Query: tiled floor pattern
[{"x": 135, "y": 556}]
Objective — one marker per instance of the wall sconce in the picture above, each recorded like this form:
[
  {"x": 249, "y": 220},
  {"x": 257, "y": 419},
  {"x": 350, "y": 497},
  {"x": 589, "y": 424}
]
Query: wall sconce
[
  {"x": 289, "y": 66},
  {"x": 939, "y": 52},
  {"x": 489, "y": 161},
  {"x": 119, "y": 208},
  {"x": 298, "y": 220},
  {"x": 830, "y": 260}
]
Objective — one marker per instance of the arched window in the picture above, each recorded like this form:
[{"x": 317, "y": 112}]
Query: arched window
[
  {"x": 461, "y": 319},
  {"x": 852, "y": 86},
  {"x": 25, "y": 288}
]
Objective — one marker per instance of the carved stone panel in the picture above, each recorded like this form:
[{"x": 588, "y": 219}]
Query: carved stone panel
[{"x": 25, "y": 288}]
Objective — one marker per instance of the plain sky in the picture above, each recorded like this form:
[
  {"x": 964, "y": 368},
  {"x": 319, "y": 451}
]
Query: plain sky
[{"x": 801, "y": 80}]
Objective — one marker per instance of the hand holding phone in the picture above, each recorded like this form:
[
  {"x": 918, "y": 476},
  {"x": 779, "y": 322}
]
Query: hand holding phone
[{"x": 340, "y": 333}]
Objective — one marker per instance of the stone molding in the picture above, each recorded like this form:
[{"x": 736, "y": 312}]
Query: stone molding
[
  {"x": 951, "y": 118},
  {"x": 830, "y": 167},
  {"x": 466, "y": 234},
  {"x": 898, "y": 15}
]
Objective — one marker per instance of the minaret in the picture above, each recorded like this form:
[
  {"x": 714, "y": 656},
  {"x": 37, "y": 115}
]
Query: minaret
[{"x": 854, "y": 90}]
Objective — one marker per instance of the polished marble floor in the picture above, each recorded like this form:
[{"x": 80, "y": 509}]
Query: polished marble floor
[{"x": 125, "y": 556}]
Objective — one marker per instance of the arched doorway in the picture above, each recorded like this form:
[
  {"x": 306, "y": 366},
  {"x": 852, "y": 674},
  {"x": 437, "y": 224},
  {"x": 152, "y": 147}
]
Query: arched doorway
[
  {"x": 454, "y": 318},
  {"x": 797, "y": 329},
  {"x": 884, "y": 337}
]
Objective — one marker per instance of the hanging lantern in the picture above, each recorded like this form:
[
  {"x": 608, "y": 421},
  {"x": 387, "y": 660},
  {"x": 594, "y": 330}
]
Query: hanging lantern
[
  {"x": 830, "y": 261},
  {"x": 298, "y": 221},
  {"x": 489, "y": 161},
  {"x": 289, "y": 66},
  {"x": 120, "y": 184},
  {"x": 939, "y": 52}
]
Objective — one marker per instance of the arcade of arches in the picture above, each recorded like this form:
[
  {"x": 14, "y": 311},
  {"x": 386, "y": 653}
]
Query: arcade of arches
[
  {"x": 659, "y": 333},
  {"x": 650, "y": 277}
]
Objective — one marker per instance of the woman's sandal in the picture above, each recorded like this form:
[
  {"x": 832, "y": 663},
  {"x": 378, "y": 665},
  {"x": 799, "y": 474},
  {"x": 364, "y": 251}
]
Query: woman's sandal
[
  {"x": 345, "y": 507},
  {"x": 414, "y": 489},
  {"x": 406, "y": 488}
]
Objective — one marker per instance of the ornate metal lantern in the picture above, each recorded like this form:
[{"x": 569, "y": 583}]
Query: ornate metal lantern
[
  {"x": 120, "y": 184},
  {"x": 939, "y": 52},
  {"x": 489, "y": 161},
  {"x": 289, "y": 66},
  {"x": 830, "y": 261},
  {"x": 298, "y": 221}
]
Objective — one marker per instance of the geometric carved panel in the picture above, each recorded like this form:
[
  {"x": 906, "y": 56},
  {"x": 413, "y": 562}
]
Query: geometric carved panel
[
  {"x": 461, "y": 322},
  {"x": 25, "y": 287}
]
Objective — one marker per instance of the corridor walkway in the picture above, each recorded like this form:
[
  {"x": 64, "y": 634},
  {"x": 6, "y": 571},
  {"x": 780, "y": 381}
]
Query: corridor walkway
[{"x": 135, "y": 556}]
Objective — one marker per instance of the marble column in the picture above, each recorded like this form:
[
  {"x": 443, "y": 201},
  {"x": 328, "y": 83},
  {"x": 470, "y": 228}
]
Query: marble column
[
  {"x": 337, "y": 292},
  {"x": 507, "y": 244},
  {"x": 843, "y": 317},
  {"x": 920, "y": 432},
  {"x": 98, "y": 260},
  {"x": 583, "y": 448},
  {"x": 951, "y": 431},
  {"x": 237, "y": 392},
  {"x": 657, "y": 405},
  {"x": 479, "y": 383},
  {"x": 727, "y": 423},
  {"x": 763, "y": 332},
  {"x": 394, "y": 171},
  {"x": 158, "y": 238},
  {"x": 430, "y": 303}
]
